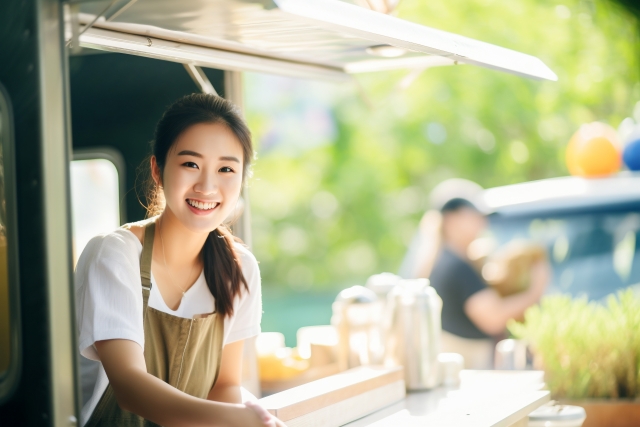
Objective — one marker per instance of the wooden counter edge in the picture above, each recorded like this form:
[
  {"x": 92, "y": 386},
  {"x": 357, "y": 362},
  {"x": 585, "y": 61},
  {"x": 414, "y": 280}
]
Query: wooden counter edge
[
  {"x": 289, "y": 404},
  {"x": 510, "y": 420}
]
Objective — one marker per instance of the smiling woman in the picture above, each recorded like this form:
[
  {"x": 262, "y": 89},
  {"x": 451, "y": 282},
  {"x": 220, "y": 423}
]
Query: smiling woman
[{"x": 165, "y": 304}]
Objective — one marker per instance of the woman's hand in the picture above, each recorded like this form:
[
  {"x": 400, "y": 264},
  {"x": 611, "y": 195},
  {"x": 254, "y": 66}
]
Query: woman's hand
[
  {"x": 143, "y": 394},
  {"x": 265, "y": 417}
]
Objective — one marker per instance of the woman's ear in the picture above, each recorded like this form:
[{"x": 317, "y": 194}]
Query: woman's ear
[{"x": 155, "y": 171}]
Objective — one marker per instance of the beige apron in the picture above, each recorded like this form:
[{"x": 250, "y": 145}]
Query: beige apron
[{"x": 184, "y": 353}]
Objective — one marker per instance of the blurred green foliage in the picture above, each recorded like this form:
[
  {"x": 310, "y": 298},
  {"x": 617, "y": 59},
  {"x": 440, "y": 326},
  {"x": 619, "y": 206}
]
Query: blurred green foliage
[
  {"x": 586, "y": 349},
  {"x": 334, "y": 204}
]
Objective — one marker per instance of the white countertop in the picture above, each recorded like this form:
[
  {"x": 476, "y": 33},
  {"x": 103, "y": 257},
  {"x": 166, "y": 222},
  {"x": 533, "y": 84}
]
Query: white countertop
[{"x": 498, "y": 406}]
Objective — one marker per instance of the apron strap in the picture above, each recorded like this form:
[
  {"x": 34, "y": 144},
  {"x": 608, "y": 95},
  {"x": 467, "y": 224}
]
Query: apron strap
[{"x": 145, "y": 264}]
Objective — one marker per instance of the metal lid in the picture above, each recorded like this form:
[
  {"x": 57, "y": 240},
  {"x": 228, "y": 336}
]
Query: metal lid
[
  {"x": 414, "y": 288},
  {"x": 382, "y": 283},
  {"x": 356, "y": 295}
]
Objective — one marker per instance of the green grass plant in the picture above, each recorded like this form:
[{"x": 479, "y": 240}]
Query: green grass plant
[{"x": 587, "y": 349}]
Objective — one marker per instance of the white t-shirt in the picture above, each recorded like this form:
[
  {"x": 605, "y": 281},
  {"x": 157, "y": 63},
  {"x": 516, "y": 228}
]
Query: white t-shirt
[{"x": 109, "y": 304}]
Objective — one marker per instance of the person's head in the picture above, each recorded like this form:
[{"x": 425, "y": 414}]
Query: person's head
[
  {"x": 201, "y": 154},
  {"x": 462, "y": 222}
]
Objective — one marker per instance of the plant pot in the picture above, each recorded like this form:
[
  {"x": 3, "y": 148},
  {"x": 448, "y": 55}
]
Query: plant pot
[{"x": 609, "y": 412}]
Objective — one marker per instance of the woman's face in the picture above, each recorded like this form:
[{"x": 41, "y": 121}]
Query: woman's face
[{"x": 202, "y": 176}]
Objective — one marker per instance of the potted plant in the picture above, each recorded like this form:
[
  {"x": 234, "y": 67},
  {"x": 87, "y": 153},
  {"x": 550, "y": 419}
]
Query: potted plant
[{"x": 590, "y": 353}]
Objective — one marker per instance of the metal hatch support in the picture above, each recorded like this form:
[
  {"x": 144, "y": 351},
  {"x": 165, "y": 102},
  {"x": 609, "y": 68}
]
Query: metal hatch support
[
  {"x": 233, "y": 91},
  {"x": 200, "y": 79}
]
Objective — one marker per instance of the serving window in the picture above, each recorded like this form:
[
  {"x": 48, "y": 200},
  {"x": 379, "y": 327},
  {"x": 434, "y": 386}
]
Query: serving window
[{"x": 96, "y": 196}]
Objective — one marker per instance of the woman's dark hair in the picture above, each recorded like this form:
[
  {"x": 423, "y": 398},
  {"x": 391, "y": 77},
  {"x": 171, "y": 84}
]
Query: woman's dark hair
[{"x": 222, "y": 269}]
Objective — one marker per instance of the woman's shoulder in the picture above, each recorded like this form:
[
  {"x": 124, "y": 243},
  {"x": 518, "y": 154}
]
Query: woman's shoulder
[
  {"x": 246, "y": 256},
  {"x": 137, "y": 228},
  {"x": 247, "y": 260},
  {"x": 120, "y": 238},
  {"x": 119, "y": 243}
]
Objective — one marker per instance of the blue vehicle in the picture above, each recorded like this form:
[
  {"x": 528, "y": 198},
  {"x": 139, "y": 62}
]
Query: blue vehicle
[{"x": 590, "y": 227}]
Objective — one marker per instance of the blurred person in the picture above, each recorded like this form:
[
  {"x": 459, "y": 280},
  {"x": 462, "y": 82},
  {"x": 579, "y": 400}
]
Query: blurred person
[
  {"x": 473, "y": 312},
  {"x": 425, "y": 245}
]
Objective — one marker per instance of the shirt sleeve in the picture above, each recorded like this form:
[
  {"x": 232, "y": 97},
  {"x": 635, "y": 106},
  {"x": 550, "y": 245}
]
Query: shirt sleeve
[
  {"x": 108, "y": 292},
  {"x": 247, "y": 316}
]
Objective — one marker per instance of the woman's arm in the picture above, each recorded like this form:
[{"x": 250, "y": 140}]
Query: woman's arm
[
  {"x": 228, "y": 384},
  {"x": 141, "y": 393}
]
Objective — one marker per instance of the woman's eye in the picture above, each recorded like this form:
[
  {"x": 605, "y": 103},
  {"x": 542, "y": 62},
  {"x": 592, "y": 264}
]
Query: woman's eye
[
  {"x": 190, "y": 165},
  {"x": 226, "y": 169}
]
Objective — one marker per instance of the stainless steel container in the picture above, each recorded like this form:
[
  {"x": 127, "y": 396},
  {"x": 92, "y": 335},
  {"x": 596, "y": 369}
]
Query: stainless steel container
[
  {"x": 382, "y": 284},
  {"x": 510, "y": 355},
  {"x": 356, "y": 317},
  {"x": 412, "y": 332},
  {"x": 450, "y": 365}
]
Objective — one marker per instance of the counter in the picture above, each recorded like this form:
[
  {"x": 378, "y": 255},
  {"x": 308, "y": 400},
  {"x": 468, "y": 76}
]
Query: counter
[
  {"x": 423, "y": 409},
  {"x": 375, "y": 397}
]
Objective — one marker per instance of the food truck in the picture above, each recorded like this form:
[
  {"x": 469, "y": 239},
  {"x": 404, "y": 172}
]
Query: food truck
[{"x": 86, "y": 80}]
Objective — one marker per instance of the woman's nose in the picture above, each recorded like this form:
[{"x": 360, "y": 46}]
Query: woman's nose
[{"x": 207, "y": 184}]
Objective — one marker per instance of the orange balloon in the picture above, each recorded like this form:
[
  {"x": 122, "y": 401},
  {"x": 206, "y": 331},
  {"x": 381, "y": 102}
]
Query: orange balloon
[
  {"x": 571, "y": 157},
  {"x": 593, "y": 150}
]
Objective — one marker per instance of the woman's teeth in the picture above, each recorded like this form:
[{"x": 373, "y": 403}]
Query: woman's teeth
[{"x": 201, "y": 205}]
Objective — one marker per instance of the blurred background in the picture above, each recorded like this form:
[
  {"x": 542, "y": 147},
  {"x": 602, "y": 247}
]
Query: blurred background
[{"x": 343, "y": 172}]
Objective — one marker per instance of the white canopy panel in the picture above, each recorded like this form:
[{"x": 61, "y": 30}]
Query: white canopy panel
[{"x": 299, "y": 37}]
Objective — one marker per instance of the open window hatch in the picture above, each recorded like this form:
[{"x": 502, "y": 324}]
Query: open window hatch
[{"x": 326, "y": 39}]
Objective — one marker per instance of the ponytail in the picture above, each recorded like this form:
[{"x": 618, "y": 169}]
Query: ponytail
[{"x": 222, "y": 269}]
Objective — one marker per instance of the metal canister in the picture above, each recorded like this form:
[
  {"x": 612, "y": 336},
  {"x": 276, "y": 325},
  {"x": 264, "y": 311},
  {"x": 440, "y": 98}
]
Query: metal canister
[
  {"x": 412, "y": 332},
  {"x": 356, "y": 317}
]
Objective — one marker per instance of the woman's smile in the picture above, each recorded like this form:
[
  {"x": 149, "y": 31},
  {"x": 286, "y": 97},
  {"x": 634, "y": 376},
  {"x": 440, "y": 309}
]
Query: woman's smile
[{"x": 202, "y": 208}]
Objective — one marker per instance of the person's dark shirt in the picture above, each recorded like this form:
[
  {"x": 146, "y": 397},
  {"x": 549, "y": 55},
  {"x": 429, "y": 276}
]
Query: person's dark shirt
[{"x": 455, "y": 280}]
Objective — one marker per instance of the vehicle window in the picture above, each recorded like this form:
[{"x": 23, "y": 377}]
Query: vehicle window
[
  {"x": 9, "y": 344},
  {"x": 95, "y": 199},
  {"x": 593, "y": 254}
]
